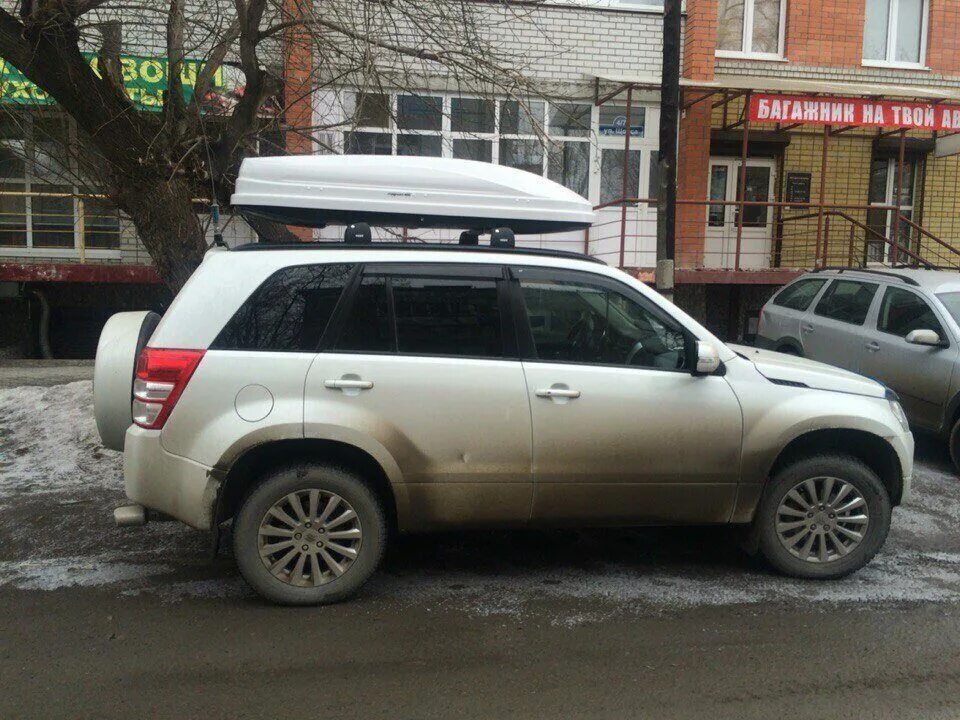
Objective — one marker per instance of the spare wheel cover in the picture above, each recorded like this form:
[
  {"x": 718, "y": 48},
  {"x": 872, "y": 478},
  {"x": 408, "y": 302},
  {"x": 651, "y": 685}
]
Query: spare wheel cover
[{"x": 121, "y": 340}]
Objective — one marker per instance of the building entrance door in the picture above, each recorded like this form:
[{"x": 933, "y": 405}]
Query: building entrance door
[
  {"x": 756, "y": 242},
  {"x": 883, "y": 191}
]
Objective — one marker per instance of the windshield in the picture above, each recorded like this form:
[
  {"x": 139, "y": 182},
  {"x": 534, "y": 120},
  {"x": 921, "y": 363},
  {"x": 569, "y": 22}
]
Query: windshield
[{"x": 951, "y": 301}]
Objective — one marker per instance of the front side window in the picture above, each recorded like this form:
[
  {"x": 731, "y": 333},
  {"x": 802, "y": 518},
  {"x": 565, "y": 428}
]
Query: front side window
[
  {"x": 799, "y": 295},
  {"x": 288, "y": 312},
  {"x": 582, "y": 322},
  {"x": 902, "y": 312},
  {"x": 847, "y": 301},
  {"x": 894, "y": 31},
  {"x": 750, "y": 26}
]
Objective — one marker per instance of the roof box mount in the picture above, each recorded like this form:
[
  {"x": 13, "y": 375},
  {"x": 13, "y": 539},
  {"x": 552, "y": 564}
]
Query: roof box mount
[{"x": 411, "y": 192}]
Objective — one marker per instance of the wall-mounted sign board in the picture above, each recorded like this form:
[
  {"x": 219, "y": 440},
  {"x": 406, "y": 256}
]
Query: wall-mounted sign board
[
  {"x": 797, "y": 190},
  {"x": 789, "y": 109}
]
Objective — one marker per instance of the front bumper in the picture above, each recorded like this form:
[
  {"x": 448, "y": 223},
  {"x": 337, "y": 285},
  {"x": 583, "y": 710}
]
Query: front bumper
[{"x": 170, "y": 484}]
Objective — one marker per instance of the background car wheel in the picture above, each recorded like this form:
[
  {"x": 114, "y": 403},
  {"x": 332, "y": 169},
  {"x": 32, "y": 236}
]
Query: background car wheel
[
  {"x": 954, "y": 444},
  {"x": 788, "y": 350},
  {"x": 823, "y": 517},
  {"x": 309, "y": 535}
]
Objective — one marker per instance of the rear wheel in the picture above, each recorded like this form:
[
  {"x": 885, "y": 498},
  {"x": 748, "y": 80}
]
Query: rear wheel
[
  {"x": 823, "y": 517},
  {"x": 788, "y": 350},
  {"x": 309, "y": 535}
]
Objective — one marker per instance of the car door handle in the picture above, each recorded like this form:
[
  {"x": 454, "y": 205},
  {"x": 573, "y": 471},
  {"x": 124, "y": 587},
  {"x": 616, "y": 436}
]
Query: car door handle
[
  {"x": 556, "y": 392},
  {"x": 807, "y": 328},
  {"x": 347, "y": 384},
  {"x": 872, "y": 346}
]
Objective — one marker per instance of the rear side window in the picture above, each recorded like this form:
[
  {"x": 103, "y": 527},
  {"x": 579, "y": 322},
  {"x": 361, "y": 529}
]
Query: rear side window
[
  {"x": 288, "y": 312},
  {"x": 424, "y": 315},
  {"x": 847, "y": 301},
  {"x": 799, "y": 295},
  {"x": 446, "y": 316},
  {"x": 367, "y": 326},
  {"x": 903, "y": 312}
]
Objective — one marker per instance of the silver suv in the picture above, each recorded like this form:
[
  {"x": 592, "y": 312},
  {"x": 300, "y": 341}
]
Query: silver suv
[
  {"x": 897, "y": 326},
  {"x": 326, "y": 396}
]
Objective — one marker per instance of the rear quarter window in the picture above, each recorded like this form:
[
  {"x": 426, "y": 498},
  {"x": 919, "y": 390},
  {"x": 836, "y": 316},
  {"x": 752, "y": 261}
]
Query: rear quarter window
[
  {"x": 800, "y": 294},
  {"x": 288, "y": 312}
]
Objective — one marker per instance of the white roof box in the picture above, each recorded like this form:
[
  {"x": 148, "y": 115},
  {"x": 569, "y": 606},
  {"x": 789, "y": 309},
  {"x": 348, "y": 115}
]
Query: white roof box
[{"x": 413, "y": 192}]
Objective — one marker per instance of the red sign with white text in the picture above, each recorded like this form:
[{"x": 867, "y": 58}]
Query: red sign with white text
[{"x": 789, "y": 109}]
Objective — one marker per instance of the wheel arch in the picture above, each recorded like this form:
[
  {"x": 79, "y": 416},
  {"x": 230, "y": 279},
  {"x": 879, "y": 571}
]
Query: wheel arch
[
  {"x": 246, "y": 471},
  {"x": 789, "y": 343},
  {"x": 871, "y": 449},
  {"x": 951, "y": 413}
]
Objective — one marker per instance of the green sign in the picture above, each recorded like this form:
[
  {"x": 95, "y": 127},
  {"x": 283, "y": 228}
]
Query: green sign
[{"x": 144, "y": 78}]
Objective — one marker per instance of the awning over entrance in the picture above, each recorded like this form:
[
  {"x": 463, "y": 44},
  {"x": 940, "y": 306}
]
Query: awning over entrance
[{"x": 760, "y": 83}]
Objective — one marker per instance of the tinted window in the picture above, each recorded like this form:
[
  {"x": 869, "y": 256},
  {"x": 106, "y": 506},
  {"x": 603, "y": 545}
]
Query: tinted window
[
  {"x": 438, "y": 316},
  {"x": 367, "y": 325},
  {"x": 577, "y": 321},
  {"x": 288, "y": 312},
  {"x": 799, "y": 295},
  {"x": 903, "y": 311},
  {"x": 847, "y": 301}
]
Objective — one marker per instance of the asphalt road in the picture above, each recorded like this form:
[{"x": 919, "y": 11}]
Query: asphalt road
[{"x": 98, "y": 622}]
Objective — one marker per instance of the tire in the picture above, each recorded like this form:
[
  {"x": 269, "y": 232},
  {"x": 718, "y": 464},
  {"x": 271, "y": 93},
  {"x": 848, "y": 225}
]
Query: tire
[
  {"x": 788, "y": 350},
  {"x": 954, "y": 444},
  {"x": 292, "y": 583},
  {"x": 824, "y": 559}
]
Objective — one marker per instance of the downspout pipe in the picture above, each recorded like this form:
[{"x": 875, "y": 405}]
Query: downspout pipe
[{"x": 44, "y": 333}]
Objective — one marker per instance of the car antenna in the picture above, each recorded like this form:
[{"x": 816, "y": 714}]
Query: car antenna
[{"x": 215, "y": 219}]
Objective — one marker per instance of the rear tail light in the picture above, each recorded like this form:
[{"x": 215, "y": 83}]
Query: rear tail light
[{"x": 160, "y": 379}]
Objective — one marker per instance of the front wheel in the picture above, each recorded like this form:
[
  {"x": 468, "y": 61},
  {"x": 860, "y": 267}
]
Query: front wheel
[
  {"x": 823, "y": 517},
  {"x": 954, "y": 445},
  {"x": 309, "y": 535}
]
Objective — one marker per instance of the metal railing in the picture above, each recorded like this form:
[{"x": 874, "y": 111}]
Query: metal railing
[{"x": 755, "y": 235}]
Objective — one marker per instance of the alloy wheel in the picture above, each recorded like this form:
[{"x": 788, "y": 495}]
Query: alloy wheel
[
  {"x": 822, "y": 519},
  {"x": 309, "y": 537}
]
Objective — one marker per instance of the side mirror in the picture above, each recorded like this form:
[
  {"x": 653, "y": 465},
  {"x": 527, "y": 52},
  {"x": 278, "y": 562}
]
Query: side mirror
[
  {"x": 924, "y": 337},
  {"x": 708, "y": 359}
]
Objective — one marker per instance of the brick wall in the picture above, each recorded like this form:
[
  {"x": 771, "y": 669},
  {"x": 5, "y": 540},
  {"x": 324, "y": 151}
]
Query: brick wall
[{"x": 694, "y": 156}]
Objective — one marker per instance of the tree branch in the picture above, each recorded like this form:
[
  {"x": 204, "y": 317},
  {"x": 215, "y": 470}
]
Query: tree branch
[{"x": 174, "y": 108}]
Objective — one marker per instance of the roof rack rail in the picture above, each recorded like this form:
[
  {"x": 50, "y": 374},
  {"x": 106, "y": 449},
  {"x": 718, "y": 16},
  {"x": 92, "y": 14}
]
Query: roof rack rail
[
  {"x": 870, "y": 271},
  {"x": 339, "y": 245}
]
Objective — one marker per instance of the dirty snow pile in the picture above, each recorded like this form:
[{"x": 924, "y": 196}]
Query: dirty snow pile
[{"x": 49, "y": 441}]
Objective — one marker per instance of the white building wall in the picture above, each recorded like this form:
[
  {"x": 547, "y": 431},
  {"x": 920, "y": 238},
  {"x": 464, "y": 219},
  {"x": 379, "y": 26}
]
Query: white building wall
[{"x": 560, "y": 50}]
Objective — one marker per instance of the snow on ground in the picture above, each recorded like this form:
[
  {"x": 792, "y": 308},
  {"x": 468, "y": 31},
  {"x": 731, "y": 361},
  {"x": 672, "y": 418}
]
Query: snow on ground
[
  {"x": 49, "y": 441},
  {"x": 58, "y": 487}
]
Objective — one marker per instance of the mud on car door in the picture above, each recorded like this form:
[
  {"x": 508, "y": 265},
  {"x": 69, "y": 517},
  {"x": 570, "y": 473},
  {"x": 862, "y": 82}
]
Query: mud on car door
[{"x": 623, "y": 432}]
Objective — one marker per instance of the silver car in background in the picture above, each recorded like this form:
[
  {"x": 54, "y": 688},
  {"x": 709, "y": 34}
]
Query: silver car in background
[{"x": 898, "y": 326}]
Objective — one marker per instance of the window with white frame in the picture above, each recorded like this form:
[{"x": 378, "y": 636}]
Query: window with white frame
[
  {"x": 505, "y": 132},
  {"x": 895, "y": 32},
  {"x": 639, "y": 5},
  {"x": 750, "y": 27},
  {"x": 39, "y": 210}
]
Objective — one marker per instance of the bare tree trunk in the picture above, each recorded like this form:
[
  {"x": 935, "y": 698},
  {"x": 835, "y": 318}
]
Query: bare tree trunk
[{"x": 166, "y": 221}]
